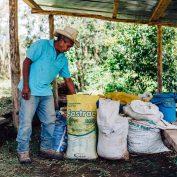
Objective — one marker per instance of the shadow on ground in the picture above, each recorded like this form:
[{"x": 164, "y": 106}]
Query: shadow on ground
[{"x": 157, "y": 165}]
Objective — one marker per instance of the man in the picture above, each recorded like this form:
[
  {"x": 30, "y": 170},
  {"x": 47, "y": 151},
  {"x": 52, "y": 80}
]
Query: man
[{"x": 44, "y": 60}]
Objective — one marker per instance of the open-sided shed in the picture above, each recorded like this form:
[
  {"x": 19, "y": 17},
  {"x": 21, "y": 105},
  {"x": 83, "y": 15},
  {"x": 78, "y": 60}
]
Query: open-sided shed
[
  {"x": 162, "y": 12},
  {"x": 151, "y": 12}
]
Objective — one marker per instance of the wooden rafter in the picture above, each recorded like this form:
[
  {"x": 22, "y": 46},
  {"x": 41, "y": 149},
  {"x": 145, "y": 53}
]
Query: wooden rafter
[
  {"x": 32, "y": 4},
  {"x": 160, "y": 10},
  {"x": 115, "y": 9},
  {"x": 45, "y": 12}
]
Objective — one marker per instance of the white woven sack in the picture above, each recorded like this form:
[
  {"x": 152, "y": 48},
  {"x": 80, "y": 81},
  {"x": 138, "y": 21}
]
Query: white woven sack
[
  {"x": 113, "y": 130},
  {"x": 143, "y": 139},
  {"x": 143, "y": 111}
]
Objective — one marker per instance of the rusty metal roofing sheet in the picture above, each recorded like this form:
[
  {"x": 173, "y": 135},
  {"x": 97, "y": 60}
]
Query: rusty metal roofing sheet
[{"x": 135, "y": 10}]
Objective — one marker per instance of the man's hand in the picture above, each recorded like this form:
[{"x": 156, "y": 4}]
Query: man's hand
[
  {"x": 70, "y": 85},
  {"x": 26, "y": 93}
]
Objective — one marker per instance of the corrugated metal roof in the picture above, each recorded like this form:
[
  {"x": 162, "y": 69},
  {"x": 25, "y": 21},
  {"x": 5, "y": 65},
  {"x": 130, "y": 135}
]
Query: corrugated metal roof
[{"x": 162, "y": 12}]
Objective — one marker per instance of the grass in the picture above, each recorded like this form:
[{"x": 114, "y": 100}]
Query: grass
[
  {"x": 5, "y": 97},
  {"x": 9, "y": 165},
  {"x": 163, "y": 165},
  {"x": 5, "y": 88},
  {"x": 154, "y": 165}
]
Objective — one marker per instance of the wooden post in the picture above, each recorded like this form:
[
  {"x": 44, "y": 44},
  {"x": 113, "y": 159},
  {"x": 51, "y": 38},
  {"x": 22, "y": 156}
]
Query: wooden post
[
  {"x": 14, "y": 57},
  {"x": 159, "y": 59},
  {"x": 55, "y": 86},
  {"x": 51, "y": 26},
  {"x": 115, "y": 9}
]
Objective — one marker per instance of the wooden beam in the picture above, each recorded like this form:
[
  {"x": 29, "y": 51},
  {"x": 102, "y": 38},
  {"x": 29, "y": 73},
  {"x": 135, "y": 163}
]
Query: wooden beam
[
  {"x": 163, "y": 24},
  {"x": 51, "y": 26},
  {"x": 75, "y": 14},
  {"x": 115, "y": 9},
  {"x": 32, "y": 4},
  {"x": 44, "y": 12},
  {"x": 55, "y": 85},
  {"x": 159, "y": 59},
  {"x": 160, "y": 10},
  {"x": 14, "y": 57}
]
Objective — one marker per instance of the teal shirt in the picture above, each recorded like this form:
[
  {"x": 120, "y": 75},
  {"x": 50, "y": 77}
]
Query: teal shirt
[{"x": 46, "y": 65}]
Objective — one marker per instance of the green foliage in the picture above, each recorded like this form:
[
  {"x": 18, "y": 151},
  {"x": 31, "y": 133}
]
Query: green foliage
[
  {"x": 113, "y": 87},
  {"x": 112, "y": 56},
  {"x": 134, "y": 57}
]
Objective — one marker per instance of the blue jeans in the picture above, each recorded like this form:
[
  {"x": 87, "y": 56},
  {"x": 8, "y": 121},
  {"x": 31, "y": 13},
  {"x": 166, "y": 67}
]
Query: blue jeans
[{"x": 44, "y": 106}]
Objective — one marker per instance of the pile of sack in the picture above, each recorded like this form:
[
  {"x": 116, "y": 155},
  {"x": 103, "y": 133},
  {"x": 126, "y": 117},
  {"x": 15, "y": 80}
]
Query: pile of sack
[
  {"x": 95, "y": 126},
  {"x": 144, "y": 136}
]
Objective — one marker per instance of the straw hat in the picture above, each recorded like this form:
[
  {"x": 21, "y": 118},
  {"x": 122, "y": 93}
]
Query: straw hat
[{"x": 69, "y": 32}]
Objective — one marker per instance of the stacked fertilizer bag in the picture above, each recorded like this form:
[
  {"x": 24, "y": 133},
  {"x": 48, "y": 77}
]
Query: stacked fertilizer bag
[
  {"x": 139, "y": 132},
  {"x": 81, "y": 125},
  {"x": 60, "y": 134},
  {"x": 113, "y": 130},
  {"x": 144, "y": 135}
]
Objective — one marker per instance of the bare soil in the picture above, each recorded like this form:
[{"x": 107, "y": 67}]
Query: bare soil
[{"x": 156, "y": 165}]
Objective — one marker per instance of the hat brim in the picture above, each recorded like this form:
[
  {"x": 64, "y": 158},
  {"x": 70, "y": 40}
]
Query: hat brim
[{"x": 77, "y": 44}]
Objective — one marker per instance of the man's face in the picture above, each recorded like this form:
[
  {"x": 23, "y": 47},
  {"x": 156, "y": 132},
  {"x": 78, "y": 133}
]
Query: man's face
[{"x": 63, "y": 46}]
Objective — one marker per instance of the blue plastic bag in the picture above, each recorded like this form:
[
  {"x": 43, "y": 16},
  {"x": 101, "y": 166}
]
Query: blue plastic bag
[{"x": 60, "y": 133}]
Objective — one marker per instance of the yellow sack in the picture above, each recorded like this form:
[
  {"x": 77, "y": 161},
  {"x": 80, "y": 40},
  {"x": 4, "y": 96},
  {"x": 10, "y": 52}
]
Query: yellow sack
[
  {"x": 81, "y": 123},
  {"x": 124, "y": 98},
  {"x": 81, "y": 114}
]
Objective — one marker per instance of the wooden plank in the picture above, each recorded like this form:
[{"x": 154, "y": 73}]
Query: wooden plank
[
  {"x": 159, "y": 10},
  {"x": 32, "y": 4},
  {"x": 171, "y": 138},
  {"x": 159, "y": 59},
  {"x": 55, "y": 85},
  {"x": 14, "y": 57},
  {"x": 115, "y": 9},
  {"x": 44, "y": 12}
]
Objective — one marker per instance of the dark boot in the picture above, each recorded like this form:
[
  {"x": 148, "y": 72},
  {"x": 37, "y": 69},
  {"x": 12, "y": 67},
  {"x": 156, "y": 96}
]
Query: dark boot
[
  {"x": 24, "y": 157},
  {"x": 51, "y": 154}
]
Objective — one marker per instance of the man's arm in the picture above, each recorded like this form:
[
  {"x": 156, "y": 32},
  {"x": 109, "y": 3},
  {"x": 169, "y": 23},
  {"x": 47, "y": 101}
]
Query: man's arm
[
  {"x": 70, "y": 85},
  {"x": 26, "y": 70}
]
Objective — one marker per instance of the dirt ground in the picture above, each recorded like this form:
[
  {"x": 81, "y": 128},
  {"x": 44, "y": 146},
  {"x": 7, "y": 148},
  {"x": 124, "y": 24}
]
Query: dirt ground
[{"x": 157, "y": 165}]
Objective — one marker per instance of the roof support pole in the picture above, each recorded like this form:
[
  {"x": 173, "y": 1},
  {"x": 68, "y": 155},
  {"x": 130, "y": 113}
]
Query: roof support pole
[
  {"x": 14, "y": 57},
  {"x": 159, "y": 59},
  {"x": 115, "y": 9},
  {"x": 55, "y": 86}
]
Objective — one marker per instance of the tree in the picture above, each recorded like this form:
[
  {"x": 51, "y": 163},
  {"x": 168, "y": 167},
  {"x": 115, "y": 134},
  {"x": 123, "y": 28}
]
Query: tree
[{"x": 113, "y": 56}]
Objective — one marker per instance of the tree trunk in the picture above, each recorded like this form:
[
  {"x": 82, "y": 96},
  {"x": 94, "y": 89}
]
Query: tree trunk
[
  {"x": 14, "y": 57},
  {"x": 159, "y": 59}
]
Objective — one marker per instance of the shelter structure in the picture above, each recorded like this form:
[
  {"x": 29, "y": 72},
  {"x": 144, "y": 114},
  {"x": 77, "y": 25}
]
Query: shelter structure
[{"x": 151, "y": 12}]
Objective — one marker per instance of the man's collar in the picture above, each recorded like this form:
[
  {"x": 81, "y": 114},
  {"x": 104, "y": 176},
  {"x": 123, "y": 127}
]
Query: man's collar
[{"x": 51, "y": 42}]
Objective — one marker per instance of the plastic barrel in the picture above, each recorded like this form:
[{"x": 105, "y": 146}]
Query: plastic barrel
[{"x": 167, "y": 105}]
